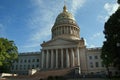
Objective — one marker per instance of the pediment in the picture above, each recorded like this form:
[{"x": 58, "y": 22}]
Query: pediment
[{"x": 59, "y": 42}]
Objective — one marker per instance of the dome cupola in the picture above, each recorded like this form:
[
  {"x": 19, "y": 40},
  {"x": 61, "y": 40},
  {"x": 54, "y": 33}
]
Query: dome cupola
[{"x": 65, "y": 26}]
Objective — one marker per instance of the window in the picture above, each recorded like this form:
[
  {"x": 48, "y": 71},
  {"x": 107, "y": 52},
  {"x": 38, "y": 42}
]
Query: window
[
  {"x": 96, "y": 57},
  {"x": 91, "y": 65},
  {"x": 24, "y": 67},
  {"x": 20, "y": 66},
  {"x": 28, "y": 66},
  {"x": 37, "y": 60},
  {"x": 16, "y": 67},
  {"x": 97, "y": 64},
  {"x": 20, "y": 61},
  {"x": 90, "y": 57},
  {"x": 37, "y": 66},
  {"x": 32, "y": 66},
  {"x": 102, "y": 65},
  {"x": 25, "y": 61},
  {"x": 29, "y": 60}
]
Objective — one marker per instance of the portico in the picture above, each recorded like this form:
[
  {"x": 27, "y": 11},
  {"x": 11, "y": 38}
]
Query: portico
[{"x": 66, "y": 58}]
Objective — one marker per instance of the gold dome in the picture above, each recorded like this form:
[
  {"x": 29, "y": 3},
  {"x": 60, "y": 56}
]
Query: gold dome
[{"x": 65, "y": 17}]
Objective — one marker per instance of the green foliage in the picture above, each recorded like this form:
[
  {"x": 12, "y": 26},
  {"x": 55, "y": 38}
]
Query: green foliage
[
  {"x": 110, "y": 50},
  {"x": 106, "y": 55},
  {"x": 8, "y": 53}
]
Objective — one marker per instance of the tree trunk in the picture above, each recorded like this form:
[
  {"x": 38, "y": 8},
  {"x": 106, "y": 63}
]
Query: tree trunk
[{"x": 108, "y": 72}]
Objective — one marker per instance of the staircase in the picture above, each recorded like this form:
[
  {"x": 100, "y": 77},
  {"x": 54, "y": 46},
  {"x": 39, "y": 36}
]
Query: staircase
[
  {"x": 58, "y": 72},
  {"x": 44, "y": 74}
]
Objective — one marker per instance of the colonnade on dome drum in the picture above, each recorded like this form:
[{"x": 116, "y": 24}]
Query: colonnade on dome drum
[{"x": 65, "y": 30}]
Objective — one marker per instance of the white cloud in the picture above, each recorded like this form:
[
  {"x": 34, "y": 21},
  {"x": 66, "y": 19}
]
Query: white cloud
[
  {"x": 89, "y": 45},
  {"x": 92, "y": 46},
  {"x": 96, "y": 35},
  {"x": 102, "y": 18},
  {"x": 111, "y": 7},
  {"x": 76, "y": 4}
]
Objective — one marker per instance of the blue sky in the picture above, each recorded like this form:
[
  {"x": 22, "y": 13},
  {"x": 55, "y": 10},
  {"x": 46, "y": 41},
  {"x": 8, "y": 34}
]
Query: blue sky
[{"x": 29, "y": 22}]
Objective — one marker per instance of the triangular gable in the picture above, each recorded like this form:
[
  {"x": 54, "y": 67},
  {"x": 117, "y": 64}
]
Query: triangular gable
[{"x": 59, "y": 42}]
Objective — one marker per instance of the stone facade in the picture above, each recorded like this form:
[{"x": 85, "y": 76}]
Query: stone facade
[{"x": 25, "y": 62}]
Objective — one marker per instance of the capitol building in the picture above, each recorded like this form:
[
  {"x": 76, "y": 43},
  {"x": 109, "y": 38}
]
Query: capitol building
[{"x": 66, "y": 50}]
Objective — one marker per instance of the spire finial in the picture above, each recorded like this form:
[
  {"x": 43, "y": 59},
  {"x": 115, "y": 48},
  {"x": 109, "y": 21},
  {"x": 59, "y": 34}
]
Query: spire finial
[{"x": 64, "y": 8}]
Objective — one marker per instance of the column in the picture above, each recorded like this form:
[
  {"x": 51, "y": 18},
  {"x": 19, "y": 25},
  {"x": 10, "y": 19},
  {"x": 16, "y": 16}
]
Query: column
[
  {"x": 78, "y": 60},
  {"x": 62, "y": 58},
  {"x": 72, "y": 55},
  {"x": 70, "y": 30},
  {"x": 64, "y": 29},
  {"x": 61, "y": 30},
  {"x": 57, "y": 30},
  {"x": 56, "y": 58},
  {"x": 42, "y": 63},
  {"x": 52, "y": 59},
  {"x": 67, "y": 58},
  {"x": 47, "y": 59},
  {"x": 67, "y": 30}
]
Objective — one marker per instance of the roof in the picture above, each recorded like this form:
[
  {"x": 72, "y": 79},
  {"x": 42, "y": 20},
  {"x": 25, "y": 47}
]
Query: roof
[{"x": 65, "y": 17}]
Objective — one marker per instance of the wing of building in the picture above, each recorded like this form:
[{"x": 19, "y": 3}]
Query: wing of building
[{"x": 65, "y": 50}]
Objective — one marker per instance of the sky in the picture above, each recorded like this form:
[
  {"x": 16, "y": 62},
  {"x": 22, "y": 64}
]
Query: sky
[{"x": 28, "y": 22}]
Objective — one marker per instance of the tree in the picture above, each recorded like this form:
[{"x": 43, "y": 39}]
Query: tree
[
  {"x": 111, "y": 47},
  {"x": 8, "y": 53}
]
